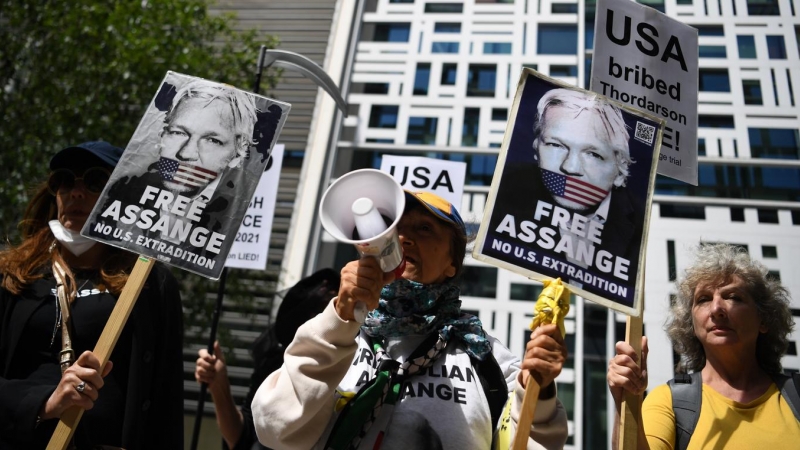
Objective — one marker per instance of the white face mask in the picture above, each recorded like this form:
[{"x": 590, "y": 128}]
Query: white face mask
[{"x": 73, "y": 241}]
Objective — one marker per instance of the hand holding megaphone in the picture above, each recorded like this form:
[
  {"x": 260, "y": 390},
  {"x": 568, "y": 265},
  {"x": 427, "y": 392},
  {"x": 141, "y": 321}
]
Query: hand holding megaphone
[
  {"x": 360, "y": 288},
  {"x": 363, "y": 208}
]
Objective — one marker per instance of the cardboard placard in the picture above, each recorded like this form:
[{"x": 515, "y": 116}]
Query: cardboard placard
[{"x": 571, "y": 194}]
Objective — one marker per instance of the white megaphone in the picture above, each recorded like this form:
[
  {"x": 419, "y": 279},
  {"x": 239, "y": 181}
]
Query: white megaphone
[{"x": 363, "y": 208}]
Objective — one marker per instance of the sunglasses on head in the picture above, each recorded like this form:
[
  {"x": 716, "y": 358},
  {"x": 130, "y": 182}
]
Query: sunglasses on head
[{"x": 94, "y": 180}]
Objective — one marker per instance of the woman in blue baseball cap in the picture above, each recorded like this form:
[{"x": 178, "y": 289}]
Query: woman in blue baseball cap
[
  {"x": 57, "y": 291},
  {"x": 420, "y": 373}
]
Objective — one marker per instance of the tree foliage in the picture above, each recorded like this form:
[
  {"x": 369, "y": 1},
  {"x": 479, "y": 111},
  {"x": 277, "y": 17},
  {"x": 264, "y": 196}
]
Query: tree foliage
[{"x": 81, "y": 70}]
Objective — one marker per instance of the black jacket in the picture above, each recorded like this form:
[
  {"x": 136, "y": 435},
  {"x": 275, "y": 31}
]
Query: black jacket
[{"x": 153, "y": 416}]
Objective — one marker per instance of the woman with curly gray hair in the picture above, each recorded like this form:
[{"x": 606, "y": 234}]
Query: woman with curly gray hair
[{"x": 730, "y": 322}]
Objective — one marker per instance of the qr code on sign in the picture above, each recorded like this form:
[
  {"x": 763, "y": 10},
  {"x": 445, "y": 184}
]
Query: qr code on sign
[{"x": 645, "y": 133}]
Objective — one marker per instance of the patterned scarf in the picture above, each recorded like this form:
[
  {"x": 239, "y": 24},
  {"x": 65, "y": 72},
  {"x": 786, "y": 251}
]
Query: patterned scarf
[
  {"x": 405, "y": 308},
  {"x": 410, "y": 308}
]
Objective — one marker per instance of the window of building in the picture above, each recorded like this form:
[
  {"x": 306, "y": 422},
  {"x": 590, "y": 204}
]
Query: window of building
[
  {"x": 796, "y": 217},
  {"x": 791, "y": 351},
  {"x": 737, "y": 214},
  {"x": 672, "y": 268},
  {"x": 712, "y": 51},
  {"x": 480, "y": 169},
  {"x": 449, "y": 72},
  {"x": 401, "y": 1},
  {"x": 563, "y": 71},
  {"x": 767, "y": 215},
  {"x": 752, "y": 92},
  {"x": 682, "y": 211},
  {"x": 392, "y": 32},
  {"x": 797, "y": 36},
  {"x": 444, "y": 47},
  {"x": 588, "y": 25},
  {"x": 763, "y": 8},
  {"x": 739, "y": 247},
  {"x": 658, "y": 5},
  {"x": 709, "y": 121},
  {"x": 447, "y": 27},
  {"x": 479, "y": 282},
  {"x": 422, "y": 130},
  {"x": 731, "y": 181},
  {"x": 383, "y": 116},
  {"x": 496, "y": 48},
  {"x": 776, "y": 47},
  {"x": 500, "y": 114},
  {"x": 747, "y": 46},
  {"x": 769, "y": 251},
  {"x": 481, "y": 80},
  {"x": 422, "y": 79},
  {"x": 380, "y": 141},
  {"x": 557, "y": 39},
  {"x": 369, "y": 88},
  {"x": 710, "y": 30},
  {"x": 566, "y": 391},
  {"x": 714, "y": 80},
  {"x": 684, "y": 2},
  {"x": 774, "y": 275},
  {"x": 444, "y": 8},
  {"x": 780, "y": 143},
  {"x": 564, "y": 8},
  {"x": 527, "y": 292},
  {"x": 701, "y": 147},
  {"x": 469, "y": 134}
]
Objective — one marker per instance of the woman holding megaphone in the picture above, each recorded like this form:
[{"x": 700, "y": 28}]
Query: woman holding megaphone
[{"x": 419, "y": 373}]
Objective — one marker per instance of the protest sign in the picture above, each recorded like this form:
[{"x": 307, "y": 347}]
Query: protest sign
[
  {"x": 185, "y": 180},
  {"x": 649, "y": 61},
  {"x": 571, "y": 192},
  {"x": 251, "y": 245},
  {"x": 417, "y": 173}
]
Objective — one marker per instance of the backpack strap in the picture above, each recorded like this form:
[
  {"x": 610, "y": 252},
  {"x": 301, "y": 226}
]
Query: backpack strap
[
  {"x": 789, "y": 387},
  {"x": 687, "y": 397},
  {"x": 494, "y": 384}
]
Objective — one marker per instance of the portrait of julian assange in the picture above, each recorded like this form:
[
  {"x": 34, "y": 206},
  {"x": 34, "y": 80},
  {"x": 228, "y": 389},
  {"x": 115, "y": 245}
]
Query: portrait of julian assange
[
  {"x": 186, "y": 178},
  {"x": 572, "y": 197}
]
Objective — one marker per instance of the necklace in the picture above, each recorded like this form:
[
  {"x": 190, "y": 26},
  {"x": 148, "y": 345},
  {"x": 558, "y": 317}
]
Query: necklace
[{"x": 57, "y": 325}]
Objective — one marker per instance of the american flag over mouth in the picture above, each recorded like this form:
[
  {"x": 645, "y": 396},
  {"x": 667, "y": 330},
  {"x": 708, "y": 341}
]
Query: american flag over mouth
[
  {"x": 573, "y": 189},
  {"x": 186, "y": 174}
]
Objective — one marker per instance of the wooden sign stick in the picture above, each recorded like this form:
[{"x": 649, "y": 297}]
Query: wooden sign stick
[
  {"x": 105, "y": 345},
  {"x": 529, "y": 402},
  {"x": 631, "y": 410}
]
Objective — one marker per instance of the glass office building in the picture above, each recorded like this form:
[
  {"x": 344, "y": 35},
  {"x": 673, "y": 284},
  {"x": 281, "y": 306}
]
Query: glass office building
[{"x": 437, "y": 78}]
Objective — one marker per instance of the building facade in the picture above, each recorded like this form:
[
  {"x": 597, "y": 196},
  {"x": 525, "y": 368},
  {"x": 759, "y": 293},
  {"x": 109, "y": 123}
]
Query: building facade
[{"x": 437, "y": 79}]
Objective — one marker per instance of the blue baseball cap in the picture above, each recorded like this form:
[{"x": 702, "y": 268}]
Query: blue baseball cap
[
  {"x": 439, "y": 207},
  {"x": 100, "y": 150}
]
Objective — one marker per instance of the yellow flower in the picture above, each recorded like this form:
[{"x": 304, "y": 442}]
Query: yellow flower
[{"x": 552, "y": 305}]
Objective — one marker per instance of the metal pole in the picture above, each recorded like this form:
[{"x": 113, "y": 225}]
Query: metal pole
[
  {"x": 220, "y": 294},
  {"x": 212, "y": 337}
]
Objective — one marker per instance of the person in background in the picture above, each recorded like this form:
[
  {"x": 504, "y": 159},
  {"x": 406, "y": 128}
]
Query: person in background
[
  {"x": 731, "y": 324},
  {"x": 303, "y": 301},
  {"x": 411, "y": 376},
  {"x": 47, "y": 332}
]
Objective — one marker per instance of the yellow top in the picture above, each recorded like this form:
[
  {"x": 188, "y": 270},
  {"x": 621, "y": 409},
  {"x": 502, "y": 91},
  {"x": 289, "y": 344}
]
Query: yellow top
[{"x": 766, "y": 423}]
